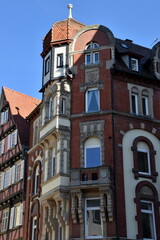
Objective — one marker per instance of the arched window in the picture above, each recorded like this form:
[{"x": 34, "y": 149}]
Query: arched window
[
  {"x": 92, "y": 152},
  {"x": 92, "y": 57},
  {"x": 34, "y": 220},
  {"x": 147, "y": 211},
  {"x": 36, "y": 180},
  {"x": 144, "y": 158}
]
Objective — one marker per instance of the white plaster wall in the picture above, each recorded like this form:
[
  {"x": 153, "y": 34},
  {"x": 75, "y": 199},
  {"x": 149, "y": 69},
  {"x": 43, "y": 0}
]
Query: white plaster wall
[
  {"x": 59, "y": 71},
  {"x": 129, "y": 181}
]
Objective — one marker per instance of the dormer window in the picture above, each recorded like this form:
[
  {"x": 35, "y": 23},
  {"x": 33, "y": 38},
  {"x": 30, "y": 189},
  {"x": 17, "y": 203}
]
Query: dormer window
[
  {"x": 92, "y": 57},
  {"x": 134, "y": 64}
]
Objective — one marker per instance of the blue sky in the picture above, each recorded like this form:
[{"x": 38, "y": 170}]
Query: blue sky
[{"x": 24, "y": 23}]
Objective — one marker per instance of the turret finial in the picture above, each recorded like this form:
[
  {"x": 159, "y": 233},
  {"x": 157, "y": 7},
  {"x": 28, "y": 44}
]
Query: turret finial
[{"x": 70, "y": 6}]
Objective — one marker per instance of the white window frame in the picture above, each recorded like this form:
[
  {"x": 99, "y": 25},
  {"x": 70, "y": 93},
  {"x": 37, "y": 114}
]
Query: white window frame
[
  {"x": 87, "y": 100},
  {"x": 135, "y": 95},
  {"x": 5, "y": 219},
  {"x": 47, "y": 66},
  {"x": 34, "y": 227},
  {"x": 94, "y": 57},
  {"x": 153, "y": 218},
  {"x": 60, "y": 60},
  {"x": 91, "y": 147},
  {"x": 146, "y": 102},
  {"x": 63, "y": 105},
  {"x": 92, "y": 54},
  {"x": 134, "y": 64},
  {"x": 86, "y": 225},
  {"x": 148, "y": 161}
]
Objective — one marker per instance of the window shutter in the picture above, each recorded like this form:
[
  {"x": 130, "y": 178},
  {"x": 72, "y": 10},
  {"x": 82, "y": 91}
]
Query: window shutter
[
  {"x": 13, "y": 169},
  {"x": 21, "y": 214},
  {"x": 9, "y": 176},
  {"x": 3, "y": 141},
  {"x": 2, "y": 117},
  {"x": 11, "y": 218},
  {"x": 17, "y": 220},
  {"x": 1, "y": 180},
  {"x": 6, "y": 115},
  {"x": 22, "y": 169},
  {"x": 15, "y": 137},
  {"x": 9, "y": 140}
]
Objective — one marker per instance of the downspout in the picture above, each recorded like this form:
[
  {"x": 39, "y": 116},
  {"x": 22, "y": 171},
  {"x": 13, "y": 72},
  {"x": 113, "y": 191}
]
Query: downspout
[{"x": 114, "y": 153}]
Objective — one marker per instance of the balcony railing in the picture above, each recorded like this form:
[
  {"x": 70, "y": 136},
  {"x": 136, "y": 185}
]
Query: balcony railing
[{"x": 89, "y": 176}]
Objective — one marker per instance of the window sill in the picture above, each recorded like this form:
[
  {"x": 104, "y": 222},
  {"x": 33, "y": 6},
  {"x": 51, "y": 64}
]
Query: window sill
[
  {"x": 138, "y": 175},
  {"x": 92, "y": 65}
]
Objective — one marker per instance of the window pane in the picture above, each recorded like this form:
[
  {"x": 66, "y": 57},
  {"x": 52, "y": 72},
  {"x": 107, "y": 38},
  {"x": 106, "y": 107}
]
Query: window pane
[
  {"x": 95, "y": 45},
  {"x": 145, "y": 105},
  {"x": 60, "y": 60},
  {"x": 147, "y": 224},
  {"x": 94, "y": 223},
  {"x": 96, "y": 58},
  {"x": 143, "y": 162},
  {"x": 134, "y": 103},
  {"x": 93, "y": 157},
  {"x": 88, "y": 59},
  {"x": 92, "y": 100},
  {"x": 93, "y": 203}
]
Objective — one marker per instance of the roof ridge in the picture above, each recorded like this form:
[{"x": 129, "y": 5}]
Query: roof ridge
[{"x": 19, "y": 93}]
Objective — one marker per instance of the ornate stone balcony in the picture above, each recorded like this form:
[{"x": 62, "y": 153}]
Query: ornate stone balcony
[{"x": 90, "y": 176}]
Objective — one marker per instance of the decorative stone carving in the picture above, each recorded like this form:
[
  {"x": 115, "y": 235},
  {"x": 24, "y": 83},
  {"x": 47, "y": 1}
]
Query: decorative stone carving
[
  {"x": 91, "y": 75},
  {"x": 77, "y": 211}
]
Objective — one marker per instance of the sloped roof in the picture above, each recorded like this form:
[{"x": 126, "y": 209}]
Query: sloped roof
[
  {"x": 19, "y": 102},
  {"x": 62, "y": 31}
]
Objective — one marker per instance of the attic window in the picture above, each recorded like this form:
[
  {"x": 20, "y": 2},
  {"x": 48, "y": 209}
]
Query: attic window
[
  {"x": 123, "y": 45},
  {"x": 134, "y": 64}
]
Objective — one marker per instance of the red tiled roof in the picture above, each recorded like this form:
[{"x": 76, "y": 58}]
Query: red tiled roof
[
  {"x": 20, "y": 102},
  {"x": 62, "y": 30}
]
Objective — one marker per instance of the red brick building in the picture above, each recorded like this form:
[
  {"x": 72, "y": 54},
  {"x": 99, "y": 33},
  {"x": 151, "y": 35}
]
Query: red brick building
[
  {"x": 94, "y": 166},
  {"x": 14, "y": 144}
]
